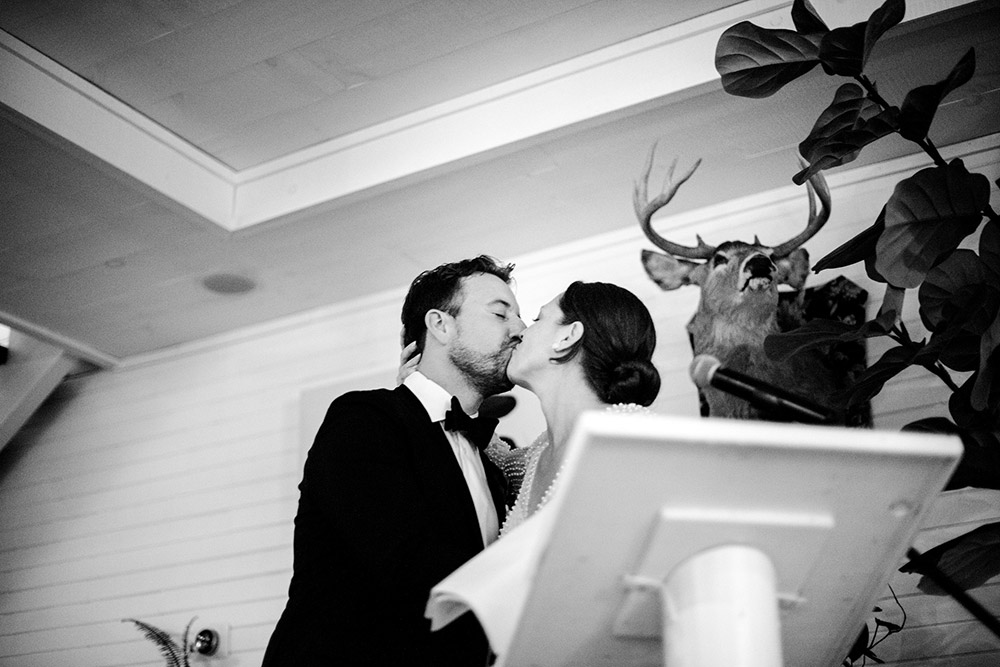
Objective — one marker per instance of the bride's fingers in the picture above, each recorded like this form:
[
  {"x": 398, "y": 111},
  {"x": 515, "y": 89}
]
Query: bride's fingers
[
  {"x": 408, "y": 353},
  {"x": 408, "y": 360}
]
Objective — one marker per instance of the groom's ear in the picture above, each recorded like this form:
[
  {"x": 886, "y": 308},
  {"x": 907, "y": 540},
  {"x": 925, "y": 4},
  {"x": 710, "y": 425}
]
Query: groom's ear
[{"x": 439, "y": 324}]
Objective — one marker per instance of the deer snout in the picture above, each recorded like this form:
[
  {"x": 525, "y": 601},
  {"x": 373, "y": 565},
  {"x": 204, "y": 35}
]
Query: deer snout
[
  {"x": 759, "y": 266},
  {"x": 758, "y": 273}
]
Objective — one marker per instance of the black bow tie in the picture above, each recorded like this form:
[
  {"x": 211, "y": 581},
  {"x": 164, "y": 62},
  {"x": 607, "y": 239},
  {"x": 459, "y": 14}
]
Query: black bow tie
[{"x": 479, "y": 431}]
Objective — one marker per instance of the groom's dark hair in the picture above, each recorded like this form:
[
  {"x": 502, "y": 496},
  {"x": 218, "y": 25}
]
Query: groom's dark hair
[{"x": 441, "y": 289}]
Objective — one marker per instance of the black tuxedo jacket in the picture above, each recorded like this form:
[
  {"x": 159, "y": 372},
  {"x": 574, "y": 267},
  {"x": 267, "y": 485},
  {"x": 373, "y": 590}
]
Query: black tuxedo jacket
[{"x": 384, "y": 514}]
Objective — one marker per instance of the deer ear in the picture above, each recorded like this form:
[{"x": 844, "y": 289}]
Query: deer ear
[
  {"x": 669, "y": 272},
  {"x": 793, "y": 269}
]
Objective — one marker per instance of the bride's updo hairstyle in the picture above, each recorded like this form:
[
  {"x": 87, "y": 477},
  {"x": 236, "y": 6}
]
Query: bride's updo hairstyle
[{"x": 617, "y": 343}]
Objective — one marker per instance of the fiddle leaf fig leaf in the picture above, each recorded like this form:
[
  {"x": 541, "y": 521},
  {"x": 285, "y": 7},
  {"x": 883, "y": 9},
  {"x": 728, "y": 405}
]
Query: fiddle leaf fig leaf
[
  {"x": 872, "y": 271},
  {"x": 814, "y": 333},
  {"x": 989, "y": 252},
  {"x": 953, "y": 344},
  {"x": 980, "y": 464},
  {"x": 948, "y": 287},
  {"x": 881, "y": 20},
  {"x": 926, "y": 217},
  {"x": 806, "y": 19},
  {"x": 892, "y": 306},
  {"x": 969, "y": 560},
  {"x": 757, "y": 62},
  {"x": 849, "y": 109},
  {"x": 989, "y": 361},
  {"x": 857, "y": 249},
  {"x": 841, "y": 50},
  {"x": 892, "y": 363},
  {"x": 818, "y": 333},
  {"x": 845, "y": 51},
  {"x": 961, "y": 354},
  {"x": 966, "y": 415},
  {"x": 930, "y": 425},
  {"x": 920, "y": 104},
  {"x": 851, "y": 122}
]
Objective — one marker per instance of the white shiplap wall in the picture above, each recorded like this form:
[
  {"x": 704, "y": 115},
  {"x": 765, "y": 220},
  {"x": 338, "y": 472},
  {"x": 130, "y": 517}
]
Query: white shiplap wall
[
  {"x": 166, "y": 489},
  {"x": 937, "y": 630}
]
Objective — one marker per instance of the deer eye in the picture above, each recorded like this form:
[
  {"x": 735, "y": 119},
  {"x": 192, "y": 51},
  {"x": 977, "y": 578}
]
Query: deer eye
[{"x": 719, "y": 260}]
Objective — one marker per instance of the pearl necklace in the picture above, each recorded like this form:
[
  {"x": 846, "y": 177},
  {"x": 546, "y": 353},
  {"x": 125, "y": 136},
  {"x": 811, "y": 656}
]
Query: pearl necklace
[
  {"x": 548, "y": 491},
  {"x": 519, "y": 512},
  {"x": 619, "y": 408}
]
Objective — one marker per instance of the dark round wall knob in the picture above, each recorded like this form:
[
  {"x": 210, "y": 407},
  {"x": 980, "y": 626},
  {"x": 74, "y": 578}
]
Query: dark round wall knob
[{"x": 206, "y": 642}]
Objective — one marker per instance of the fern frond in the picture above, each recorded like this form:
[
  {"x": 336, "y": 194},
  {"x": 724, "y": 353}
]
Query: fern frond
[
  {"x": 187, "y": 630},
  {"x": 174, "y": 655}
]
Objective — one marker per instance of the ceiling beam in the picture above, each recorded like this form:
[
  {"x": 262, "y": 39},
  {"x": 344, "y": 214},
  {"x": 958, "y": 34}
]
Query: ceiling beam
[{"x": 41, "y": 89}]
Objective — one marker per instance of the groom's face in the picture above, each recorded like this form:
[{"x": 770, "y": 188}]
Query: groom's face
[{"x": 488, "y": 327}]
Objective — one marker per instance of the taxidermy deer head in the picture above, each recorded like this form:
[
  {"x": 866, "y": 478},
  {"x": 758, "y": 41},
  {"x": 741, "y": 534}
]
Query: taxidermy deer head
[{"x": 739, "y": 287}]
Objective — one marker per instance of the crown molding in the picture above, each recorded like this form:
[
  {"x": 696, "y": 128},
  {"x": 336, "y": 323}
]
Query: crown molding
[{"x": 490, "y": 119}]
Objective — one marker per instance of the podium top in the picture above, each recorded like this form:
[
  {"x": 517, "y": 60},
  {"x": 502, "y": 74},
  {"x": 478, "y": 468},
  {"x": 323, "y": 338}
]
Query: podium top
[{"x": 834, "y": 509}]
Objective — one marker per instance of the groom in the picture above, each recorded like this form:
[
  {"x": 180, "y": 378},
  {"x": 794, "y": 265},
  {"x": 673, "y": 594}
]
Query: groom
[{"x": 391, "y": 500}]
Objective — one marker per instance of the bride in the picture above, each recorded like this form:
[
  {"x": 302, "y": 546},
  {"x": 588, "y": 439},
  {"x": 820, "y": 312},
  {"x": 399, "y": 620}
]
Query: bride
[{"x": 589, "y": 348}]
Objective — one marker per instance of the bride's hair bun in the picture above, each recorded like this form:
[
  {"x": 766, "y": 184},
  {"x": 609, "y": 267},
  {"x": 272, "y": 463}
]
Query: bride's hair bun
[{"x": 634, "y": 381}]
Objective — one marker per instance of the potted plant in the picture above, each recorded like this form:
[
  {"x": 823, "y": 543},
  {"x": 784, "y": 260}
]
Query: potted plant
[{"x": 914, "y": 243}]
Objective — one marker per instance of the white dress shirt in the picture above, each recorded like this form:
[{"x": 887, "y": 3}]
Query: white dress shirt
[{"x": 436, "y": 402}]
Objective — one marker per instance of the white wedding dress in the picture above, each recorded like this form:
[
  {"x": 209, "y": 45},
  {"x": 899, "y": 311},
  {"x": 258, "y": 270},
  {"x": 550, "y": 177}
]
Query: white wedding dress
[{"x": 521, "y": 465}]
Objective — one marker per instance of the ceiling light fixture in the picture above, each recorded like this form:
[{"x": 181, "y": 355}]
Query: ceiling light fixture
[
  {"x": 228, "y": 283},
  {"x": 4, "y": 343}
]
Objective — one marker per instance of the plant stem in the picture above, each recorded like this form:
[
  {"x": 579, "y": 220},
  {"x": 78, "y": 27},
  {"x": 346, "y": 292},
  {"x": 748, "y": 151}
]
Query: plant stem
[
  {"x": 899, "y": 334},
  {"x": 991, "y": 214},
  {"x": 926, "y": 144},
  {"x": 942, "y": 373},
  {"x": 932, "y": 150},
  {"x": 873, "y": 93}
]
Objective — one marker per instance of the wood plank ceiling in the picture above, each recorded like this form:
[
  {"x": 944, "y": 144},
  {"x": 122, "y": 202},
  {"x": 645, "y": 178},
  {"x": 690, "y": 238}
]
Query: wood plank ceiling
[{"x": 325, "y": 151}]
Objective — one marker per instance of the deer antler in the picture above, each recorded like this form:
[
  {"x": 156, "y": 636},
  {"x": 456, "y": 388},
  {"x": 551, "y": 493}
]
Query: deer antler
[
  {"x": 815, "y": 186},
  {"x": 644, "y": 210}
]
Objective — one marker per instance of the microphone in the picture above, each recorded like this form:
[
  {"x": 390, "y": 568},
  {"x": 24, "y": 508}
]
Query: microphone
[{"x": 708, "y": 371}]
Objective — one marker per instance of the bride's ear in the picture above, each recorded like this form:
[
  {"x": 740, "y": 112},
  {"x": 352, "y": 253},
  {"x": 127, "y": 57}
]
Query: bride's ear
[{"x": 571, "y": 333}]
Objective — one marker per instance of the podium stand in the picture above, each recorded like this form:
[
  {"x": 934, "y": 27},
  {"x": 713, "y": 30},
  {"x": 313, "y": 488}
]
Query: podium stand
[{"x": 705, "y": 542}]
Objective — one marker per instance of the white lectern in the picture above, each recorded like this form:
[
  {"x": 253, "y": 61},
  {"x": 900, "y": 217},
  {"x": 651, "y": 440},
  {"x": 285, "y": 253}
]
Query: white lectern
[{"x": 702, "y": 542}]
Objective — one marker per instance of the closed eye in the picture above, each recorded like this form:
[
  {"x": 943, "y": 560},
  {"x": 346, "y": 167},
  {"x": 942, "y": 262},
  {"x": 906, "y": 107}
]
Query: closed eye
[{"x": 719, "y": 260}]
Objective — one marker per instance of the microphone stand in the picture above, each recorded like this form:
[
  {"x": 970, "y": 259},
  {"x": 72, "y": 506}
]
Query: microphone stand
[{"x": 925, "y": 567}]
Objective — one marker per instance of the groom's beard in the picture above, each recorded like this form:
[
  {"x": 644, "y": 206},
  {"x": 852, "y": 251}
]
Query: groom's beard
[{"x": 486, "y": 372}]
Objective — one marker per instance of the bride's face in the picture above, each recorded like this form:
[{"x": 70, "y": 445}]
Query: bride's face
[{"x": 536, "y": 347}]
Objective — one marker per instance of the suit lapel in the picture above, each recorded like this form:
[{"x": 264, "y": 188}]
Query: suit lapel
[{"x": 440, "y": 470}]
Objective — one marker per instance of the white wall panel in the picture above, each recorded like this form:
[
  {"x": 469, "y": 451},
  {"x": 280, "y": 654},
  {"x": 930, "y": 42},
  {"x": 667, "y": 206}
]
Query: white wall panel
[
  {"x": 167, "y": 489},
  {"x": 937, "y": 631}
]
